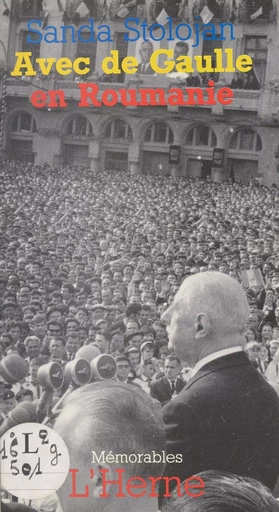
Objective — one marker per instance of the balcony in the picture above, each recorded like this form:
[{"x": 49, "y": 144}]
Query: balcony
[
  {"x": 224, "y": 13},
  {"x": 258, "y": 11}
]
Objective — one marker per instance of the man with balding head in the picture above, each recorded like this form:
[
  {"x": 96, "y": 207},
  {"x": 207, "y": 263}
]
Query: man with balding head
[
  {"x": 118, "y": 423},
  {"x": 227, "y": 415}
]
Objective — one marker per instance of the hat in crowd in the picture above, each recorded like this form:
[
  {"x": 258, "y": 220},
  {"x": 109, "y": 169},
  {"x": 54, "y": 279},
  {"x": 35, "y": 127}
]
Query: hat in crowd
[
  {"x": 132, "y": 350},
  {"x": 133, "y": 334},
  {"x": 22, "y": 393},
  {"x": 98, "y": 306},
  {"x": 8, "y": 394},
  {"x": 147, "y": 344}
]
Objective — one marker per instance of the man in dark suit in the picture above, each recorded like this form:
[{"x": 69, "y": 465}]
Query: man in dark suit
[
  {"x": 167, "y": 387},
  {"x": 145, "y": 51},
  {"x": 227, "y": 416}
]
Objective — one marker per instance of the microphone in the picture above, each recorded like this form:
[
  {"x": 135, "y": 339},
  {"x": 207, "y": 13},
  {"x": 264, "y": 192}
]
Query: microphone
[
  {"x": 77, "y": 373},
  {"x": 14, "y": 417},
  {"x": 103, "y": 367},
  {"x": 50, "y": 377},
  {"x": 13, "y": 368},
  {"x": 29, "y": 407},
  {"x": 88, "y": 352}
]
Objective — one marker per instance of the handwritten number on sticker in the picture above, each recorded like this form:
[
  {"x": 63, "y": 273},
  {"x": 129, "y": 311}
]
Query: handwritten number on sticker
[{"x": 53, "y": 450}]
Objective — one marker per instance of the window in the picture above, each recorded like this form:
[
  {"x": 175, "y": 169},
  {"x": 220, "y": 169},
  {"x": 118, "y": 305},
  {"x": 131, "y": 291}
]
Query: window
[
  {"x": 256, "y": 48},
  {"x": 256, "y": 10},
  {"x": 246, "y": 140},
  {"x": 87, "y": 49},
  {"x": 31, "y": 47},
  {"x": 201, "y": 136},
  {"x": 122, "y": 46},
  {"x": 29, "y": 9},
  {"x": 160, "y": 133},
  {"x": 79, "y": 127},
  {"x": 118, "y": 129},
  {"x": 23, "y": 123}
]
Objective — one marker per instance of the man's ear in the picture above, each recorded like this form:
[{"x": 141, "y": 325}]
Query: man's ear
[
  {"x": 103, "y": 473},
  {"x": 202, "y": 326}
]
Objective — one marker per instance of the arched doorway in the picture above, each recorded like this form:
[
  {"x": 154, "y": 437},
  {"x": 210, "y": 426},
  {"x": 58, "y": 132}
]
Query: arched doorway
[
  {"x": 199, "y": 143},
  {"x": 156, "y": 140},
  {"x": 244, "y": 147},
  {"x": 77, "y": 134},
  {"x": 117, "y": 136},
  {"x": 20, "y": 144}
]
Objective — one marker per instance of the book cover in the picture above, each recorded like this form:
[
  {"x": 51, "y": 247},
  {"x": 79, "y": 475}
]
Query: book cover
[{"x": 139, "y": 148}]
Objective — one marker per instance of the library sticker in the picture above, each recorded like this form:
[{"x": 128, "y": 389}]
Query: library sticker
[{"x": 34, "y": 461}]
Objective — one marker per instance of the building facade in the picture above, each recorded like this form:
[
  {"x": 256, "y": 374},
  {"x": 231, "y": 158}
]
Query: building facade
[{"x": 138, "y": 139}]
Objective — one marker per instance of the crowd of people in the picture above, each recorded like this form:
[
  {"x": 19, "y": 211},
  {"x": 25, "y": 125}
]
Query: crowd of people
[{"x": 97, "y": 258}]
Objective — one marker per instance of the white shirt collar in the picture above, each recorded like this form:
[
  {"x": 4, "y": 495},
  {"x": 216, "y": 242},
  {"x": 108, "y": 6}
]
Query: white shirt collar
[
  {"x": 212, "y": 357},
  {"x": 172, "y": 380}
]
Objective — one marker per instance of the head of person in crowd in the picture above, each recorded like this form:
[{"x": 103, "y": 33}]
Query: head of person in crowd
[
  {"x": 117, "y": 341},
  {"x": 264, "y": 353},
  {"x": 149, "y": 368},
  {"x": 98, "y": 313},
  {"x": 13, "y": 328},
  {"x": 7, "y": 402},
  {"x": 251, "y": 334},
  {"x": 273, "y": 347},
  {"x": 223, "y": 492},
  {"x": 38, "y": 326},
  {"x": 172, "y": 367},
  {"x": 266, "y": 332},
  {"x": 147, "y": 349},
  {"x": 134, "y": 339},
  {"x": 114, "y": 419},
  {"x": 32, "y": 347},
  {"x": 57, "y": 349},
  {"x": 252, "y": 350},
  {"x": 6, "y": 340},
  {"x": 72, "y": 343},
  {"x": 54, "y": 329},
  {"x": 24, "y": 395},
  {"x": 123, "y": 368},
  {"x": 209, "y": 313},
  {"x": 102, "y": 339},
  {"x": 133, "y": 354}
]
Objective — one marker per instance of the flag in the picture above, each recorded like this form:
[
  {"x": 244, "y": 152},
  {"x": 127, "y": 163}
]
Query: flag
[
  {"x": 234, "y": 11},
  {"x": 60, "y": 6},
  {"x": 206, "y": 15},
  {"x": 250, "y": 278},
  {"x": 264, "y": 10},
  {"x": 211, "y": 9},
  {"x": 45, "y": 19},
  {"x": 83, "y": 10},
  {"x": 172, "y": 9},
  {"x": 6, "y": 11},
  {"x": 127, "y": 6},
  {"x": 257, "y": 13},
  {"x": 3, "y": 108},
  {"x": 103, "y": 16}
]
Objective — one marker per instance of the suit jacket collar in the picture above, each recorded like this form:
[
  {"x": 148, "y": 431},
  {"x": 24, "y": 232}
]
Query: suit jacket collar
[{"x": 229, "y": 361}]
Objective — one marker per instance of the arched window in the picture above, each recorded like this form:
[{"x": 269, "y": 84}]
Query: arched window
[
  {"x": 159, "y": 132},
  {"x": 118, "y": 129},
  {"x": 245, "y": 139},
  {"x": 23, "y": 123},
  {"x": 79, "y": 127},
  {"x": 201, "y": 136}
]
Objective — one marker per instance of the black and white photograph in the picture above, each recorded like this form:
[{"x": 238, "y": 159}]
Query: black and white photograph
[{"x": 139, "y": 256}]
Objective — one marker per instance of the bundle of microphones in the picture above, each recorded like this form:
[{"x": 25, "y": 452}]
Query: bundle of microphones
[{"x": 88, "y": 366}]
